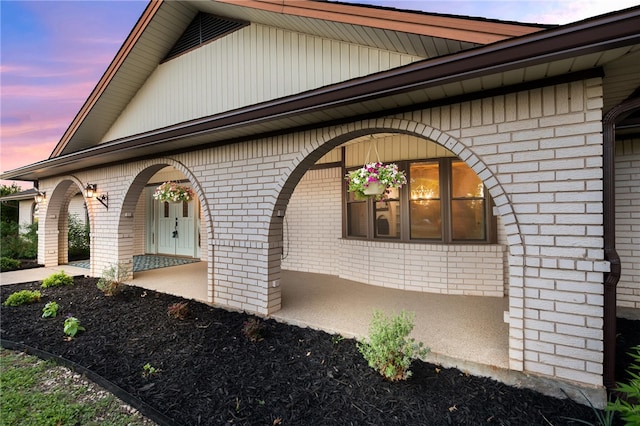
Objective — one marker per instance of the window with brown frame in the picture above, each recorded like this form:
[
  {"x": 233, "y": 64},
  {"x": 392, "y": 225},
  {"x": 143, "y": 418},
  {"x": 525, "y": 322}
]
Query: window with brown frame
[{"x": 444, "y": 201}]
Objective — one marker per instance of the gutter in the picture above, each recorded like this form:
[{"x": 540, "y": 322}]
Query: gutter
[{"x": 615, "y": 115}]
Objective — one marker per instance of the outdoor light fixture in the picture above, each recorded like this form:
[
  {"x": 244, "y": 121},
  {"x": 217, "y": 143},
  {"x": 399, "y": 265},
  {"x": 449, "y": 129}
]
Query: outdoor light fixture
[
  {"x": 40, "y": 197},
  {"x": 91, "y": 191}
]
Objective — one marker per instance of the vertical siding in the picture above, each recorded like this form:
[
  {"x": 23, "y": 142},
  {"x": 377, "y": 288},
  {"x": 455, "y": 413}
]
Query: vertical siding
[
  {"x": 254, "y": 64},
  {"x": 396, "y": 147}
]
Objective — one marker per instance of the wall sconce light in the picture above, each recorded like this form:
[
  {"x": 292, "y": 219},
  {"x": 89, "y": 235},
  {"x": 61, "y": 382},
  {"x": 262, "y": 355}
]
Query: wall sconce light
[
  {"x": 91, "y": 191},
  {"x": 40, "y": 197}
]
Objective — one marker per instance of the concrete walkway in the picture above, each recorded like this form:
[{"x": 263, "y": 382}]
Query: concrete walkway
[{"x": 38, "y": 274}]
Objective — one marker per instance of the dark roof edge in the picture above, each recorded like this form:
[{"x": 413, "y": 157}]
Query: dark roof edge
[{"x": 128, "y": 44}]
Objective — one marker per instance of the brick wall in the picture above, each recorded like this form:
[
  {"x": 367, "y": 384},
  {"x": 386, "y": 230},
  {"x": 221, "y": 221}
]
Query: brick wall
[
  {"x": 628, "y": 221},
  {"x": 539, "y": 153},
  {"x": 312, "y": 243}
]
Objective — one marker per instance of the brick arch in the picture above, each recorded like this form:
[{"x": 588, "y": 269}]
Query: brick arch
[
  {"x": 138, "y": 178},
  {"x": 53, "y": 244},
  {"x": 335, "y": 136}
]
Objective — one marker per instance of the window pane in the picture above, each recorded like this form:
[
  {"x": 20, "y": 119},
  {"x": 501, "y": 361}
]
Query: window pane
[
  {"x": 357, "y": 219},
  {"x": 468, "y": 219},
  {"x": 185, "y": 209},
  {"x": 467, "y": 204},
  {"x": 166, "y": 209},
  {"x": 464, "y": 182},
  {"x": 426, "y": 221},
  {"x": 424, "y": 194},
  {"x": 424, "y": 181},
  {"x": 387, "y": 216}
]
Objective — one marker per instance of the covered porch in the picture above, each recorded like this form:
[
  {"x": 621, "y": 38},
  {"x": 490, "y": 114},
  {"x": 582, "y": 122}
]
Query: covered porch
[{"x": 466, "y": 332}]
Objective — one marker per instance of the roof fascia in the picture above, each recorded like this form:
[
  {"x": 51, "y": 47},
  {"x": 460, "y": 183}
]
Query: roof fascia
[
  {"x": 449, "y": 27},
  {"x": 112, "y": 69}
]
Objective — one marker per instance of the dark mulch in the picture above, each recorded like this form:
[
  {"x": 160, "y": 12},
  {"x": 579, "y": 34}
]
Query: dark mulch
[{"x": 211, "y": 374}]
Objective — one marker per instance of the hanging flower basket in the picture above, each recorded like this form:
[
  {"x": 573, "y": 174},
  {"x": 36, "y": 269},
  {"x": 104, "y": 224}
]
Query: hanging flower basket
[
  {"x": 374, "y": 179},
  {"x": 173, "y": 193}
]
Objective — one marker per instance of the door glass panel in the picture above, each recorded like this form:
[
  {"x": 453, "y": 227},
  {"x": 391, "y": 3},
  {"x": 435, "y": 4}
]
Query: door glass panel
[
  {"x": 185, "y": 209},
  {"x": 424, "y": 201},
  {"x": 166, "y": 209}
]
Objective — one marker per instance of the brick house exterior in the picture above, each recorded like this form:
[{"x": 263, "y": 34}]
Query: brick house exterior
[{"x": 263, "y": 121}]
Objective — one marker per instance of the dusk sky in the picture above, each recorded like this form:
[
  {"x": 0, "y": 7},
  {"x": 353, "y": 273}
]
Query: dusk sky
[{"x": 52, "y": 54}]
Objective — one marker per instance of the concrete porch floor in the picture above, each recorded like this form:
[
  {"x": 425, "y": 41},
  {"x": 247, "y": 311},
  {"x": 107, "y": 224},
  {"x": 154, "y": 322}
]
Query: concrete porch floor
[{"x": 462, "y": 331}]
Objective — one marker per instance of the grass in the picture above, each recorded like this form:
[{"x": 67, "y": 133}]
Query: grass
[{"x": 43, "y": 393}]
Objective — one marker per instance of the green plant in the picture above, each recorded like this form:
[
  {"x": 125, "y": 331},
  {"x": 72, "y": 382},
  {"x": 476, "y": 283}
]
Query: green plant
[
  {"x": 387, "y": 175},
  {"x": 8, "y": 264},
  {"x": 178, "y": 310},
  {"x": 253, "y": 329},
  {"x": 112, "y": 279},
  {"x": 336, "y": 338},
  {"x": 50, "y": 310},
  {"x": 72, "y": 326},
  {"x": 78, "y": 235},
  {"x": 172, "y": 192},
  {"x": 389, "y": 349},
  {"x": 149, "y": 370},
  {"x": 604, "y": 418},
  {"x": 16, "y": 244},
  {"x": 21, "y": 297},
  {"x": 629, "y": 407},
  {"x": 57, "y": 280}
]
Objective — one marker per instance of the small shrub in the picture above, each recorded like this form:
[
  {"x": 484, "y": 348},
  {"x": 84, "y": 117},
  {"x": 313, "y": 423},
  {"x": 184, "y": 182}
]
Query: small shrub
[
  {"x": 629, "y": 407},
  {"x": 389, "y": 349},
  {"x": 149, "y": 370},
  {"x": 50, "y": 310},
  {"x": 72, "y": 326},
  {"x": 8, "y": 264},
  {"x": 22, "y": 297},
  {"x": 112, "y": 279},
  {"x": 178, "y": 310},
  {"x": 57, "y": 280},
  {"x": 253, "y": 329}
]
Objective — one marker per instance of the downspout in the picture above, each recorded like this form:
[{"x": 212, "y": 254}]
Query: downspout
[{"x": 615, "y": 115}]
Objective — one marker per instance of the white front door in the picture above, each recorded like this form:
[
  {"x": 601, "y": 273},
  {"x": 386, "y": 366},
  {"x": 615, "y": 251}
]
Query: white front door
[{"x": 177, "y": 229}]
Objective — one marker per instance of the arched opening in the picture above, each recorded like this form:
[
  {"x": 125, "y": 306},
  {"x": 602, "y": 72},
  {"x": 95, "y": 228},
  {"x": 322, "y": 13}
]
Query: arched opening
[
  {"x": 340, "y": 261},
  {"x": 157, "y": 234},
  {"x": 67, "y": 226}
]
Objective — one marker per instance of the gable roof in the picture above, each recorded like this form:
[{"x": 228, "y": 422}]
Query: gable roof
[
  {"x": 162, "y": 23},
  {"x": 558, "y": 51}
]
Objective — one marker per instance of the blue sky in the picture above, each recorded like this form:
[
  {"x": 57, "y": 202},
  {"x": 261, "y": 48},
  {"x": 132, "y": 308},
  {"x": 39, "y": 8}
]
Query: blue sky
[{"x": 52, "y": 54}]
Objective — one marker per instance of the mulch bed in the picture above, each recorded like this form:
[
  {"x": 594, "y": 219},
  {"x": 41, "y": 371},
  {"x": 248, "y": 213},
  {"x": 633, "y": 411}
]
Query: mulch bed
[{"x": 210, "y": 373}]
